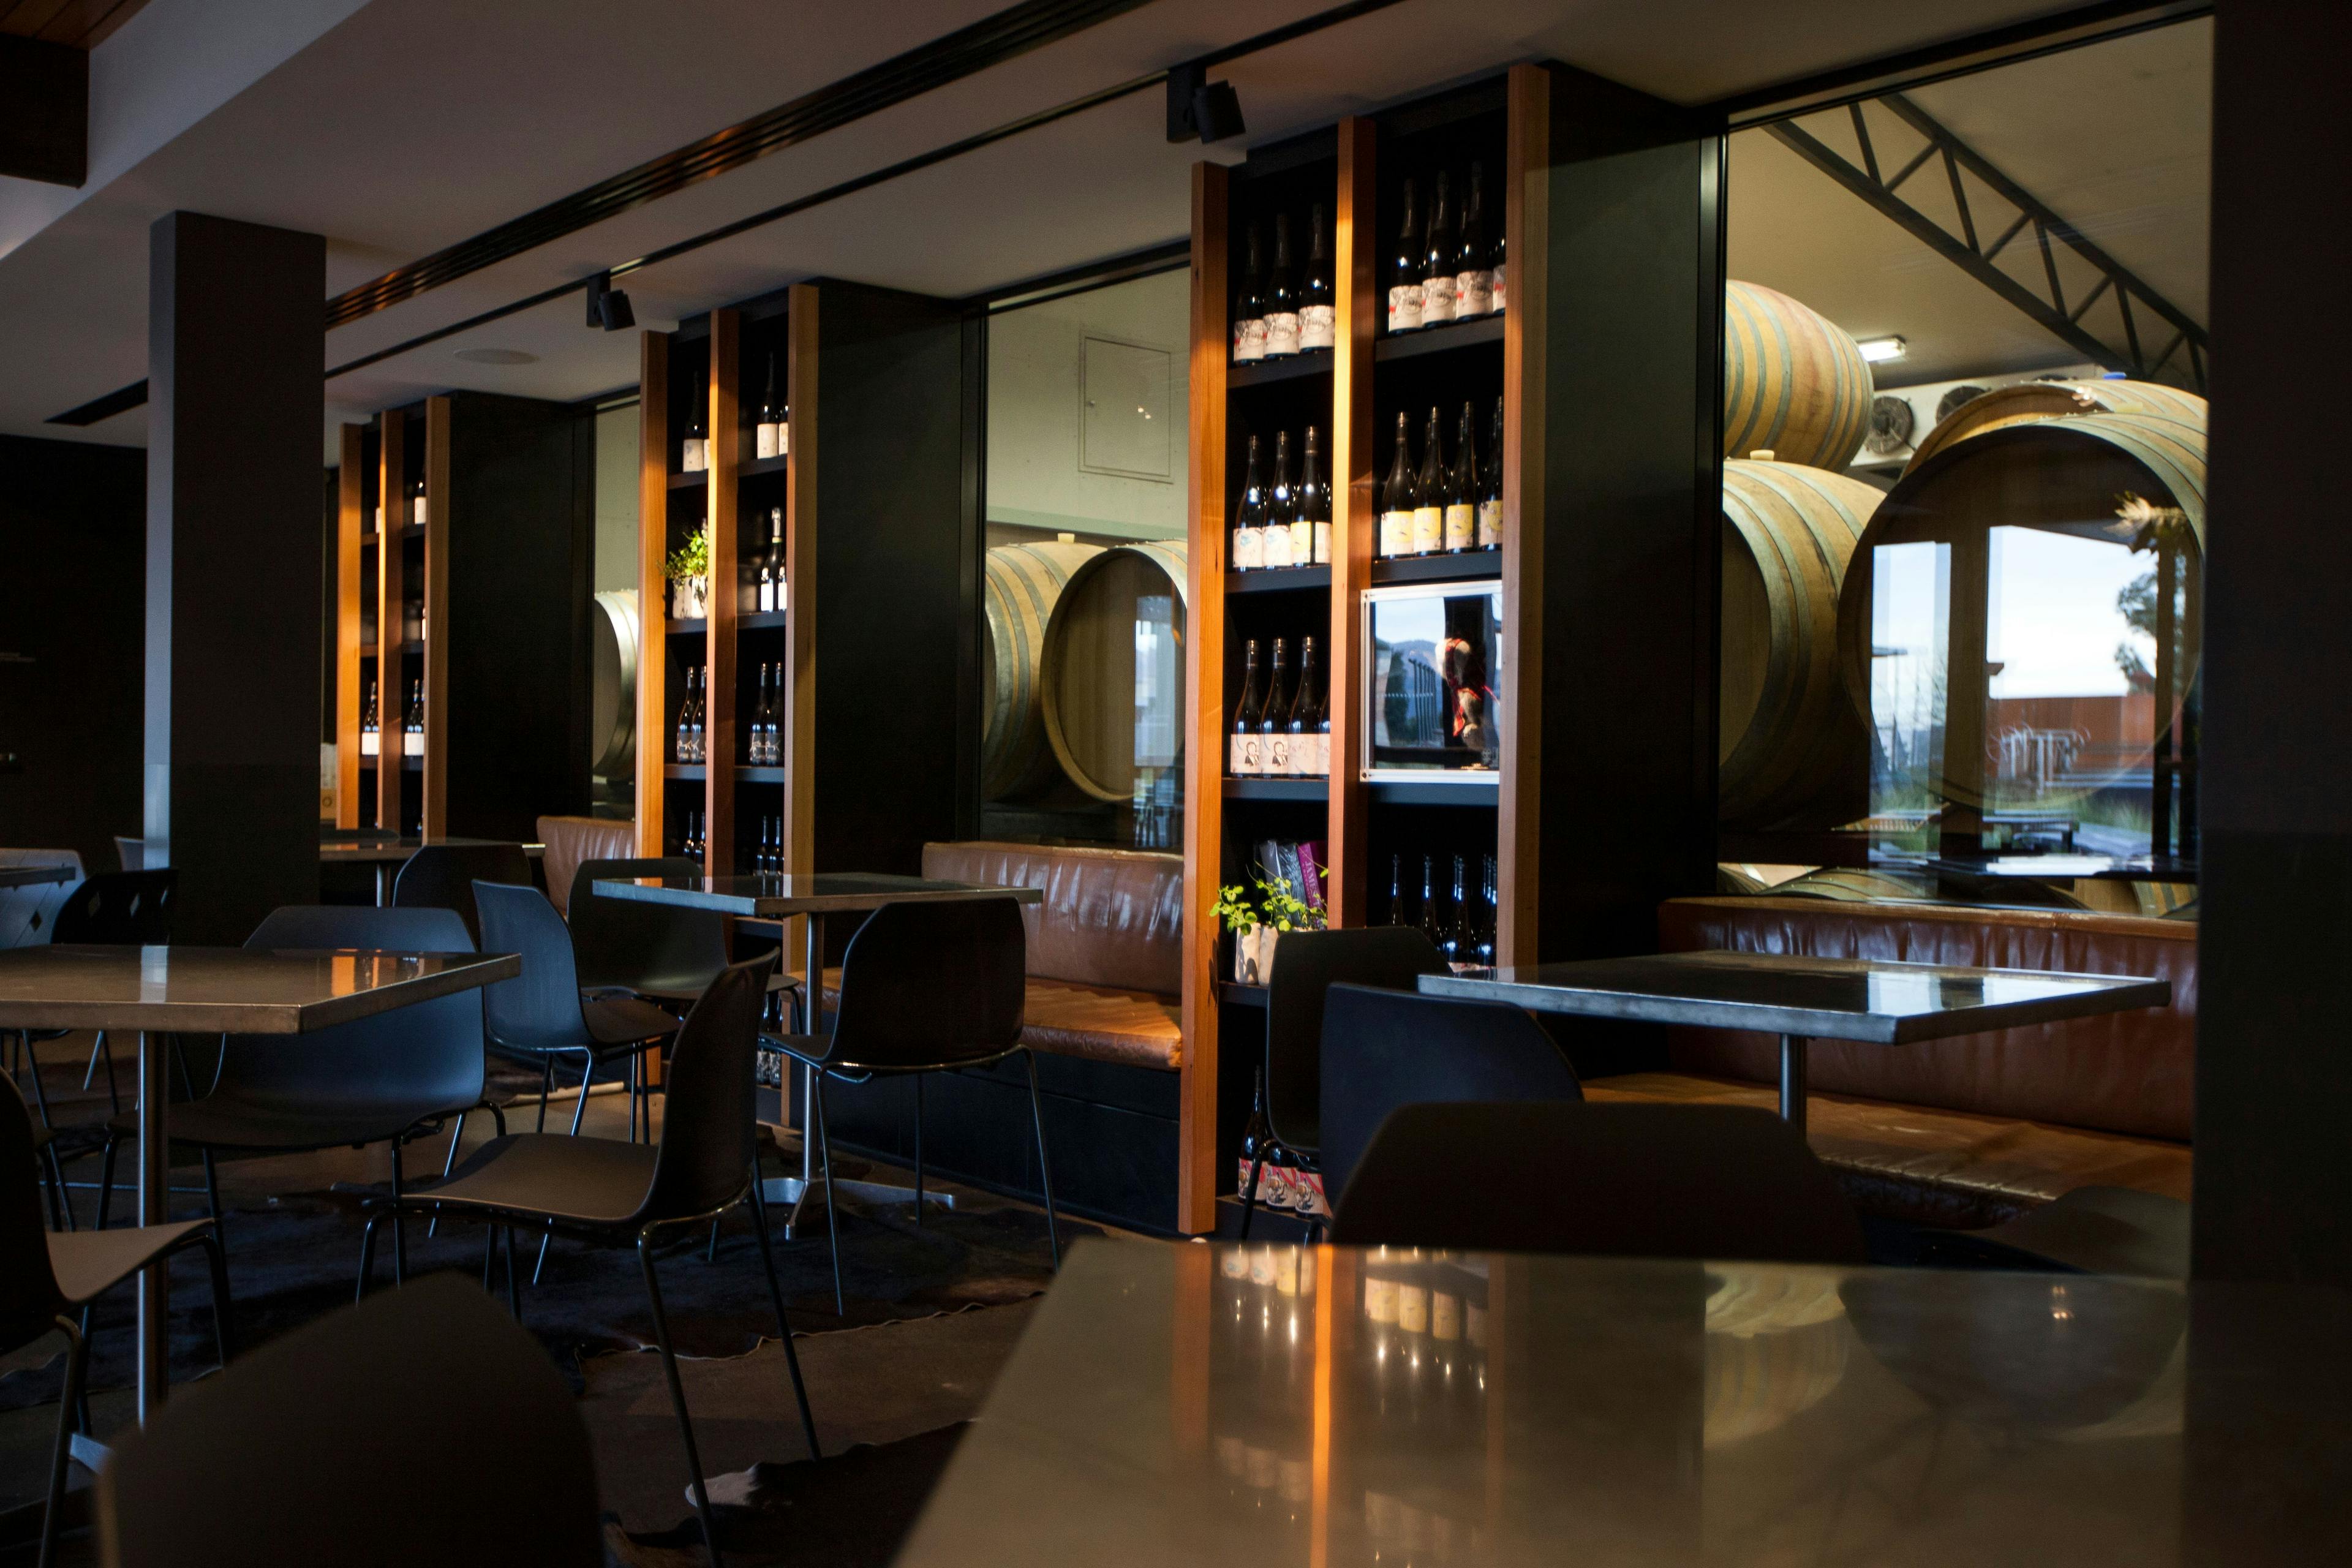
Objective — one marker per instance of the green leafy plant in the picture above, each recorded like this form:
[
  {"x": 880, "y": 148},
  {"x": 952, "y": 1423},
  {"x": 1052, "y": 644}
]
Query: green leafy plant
[
  {"x": 691, "y": 559},
  {"x": 1267, "y": 904}
]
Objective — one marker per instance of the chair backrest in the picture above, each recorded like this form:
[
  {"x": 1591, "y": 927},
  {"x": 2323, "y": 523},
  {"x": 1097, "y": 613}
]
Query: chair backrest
[
  {"x": 1307, "y": 964},
  {"x": 572, "y": 840},
  {"x": 1112, "y": 918},
  {"x": 539, "y": 1010},
  {"x": 29, "y": 1297},
  {"x": 616, "y": 942},
  {"x": 1622, "y": 1180},
  {"x": 129, "y": 853},
  {"x": 25, "y": 913},
  {"x": 1381, "y": 1049},
  {"x": 428, "y": 1054},
  {"x": 260, "y": 1465},
  {"x": 925, "y": 985},
  {"x": 707, "y": 1137},
  {"x": 442, "y": 876},
  {"x": 119, "y": 909}
]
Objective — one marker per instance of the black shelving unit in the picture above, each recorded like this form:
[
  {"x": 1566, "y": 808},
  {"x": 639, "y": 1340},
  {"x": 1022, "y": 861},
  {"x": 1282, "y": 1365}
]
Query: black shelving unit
[
  {"x": 1472, "y": 566},
  {"x": 1290, "y": 367},
  {"x": 1440, "y": 339},
  {"x": 1316, "y": 790},
  {"x": 1279, "y": 580}
]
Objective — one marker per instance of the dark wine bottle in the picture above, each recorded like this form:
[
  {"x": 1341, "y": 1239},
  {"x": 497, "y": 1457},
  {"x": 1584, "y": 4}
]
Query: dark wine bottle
[
  {"x": 1249, "y": 517},
  {"x": 1243, "y": 760},
  {"x": 768, "y": 430},
  {"x": 1461, "y": 933},
  {"x": 1429, "y": 493},
  {"x": 1474, "y": 273},
  {"x": 1308, "y": 731},
  {"x": 768, "y": 596},
  {"x": 1437, "y": 269},
  {"x": 1281, "y": 297},
  {"x": 1316, "y": 320},
  {"x": 1281, "y": 509},
  {"x": 1432, "y": 925},
  {"x": 1491, "y": 914},
  {"x": 1405, "y": 270},
  {"x": 1274, "y": 718},
  {"x": 1313, "y": 523},
  {"x": 1494, "y": 251},
  {"x": 370, "y": 736},
  {"x": 1396, "y": 498},
  {"x": 1490, "y": 485},
  {"x": 1249, "y": 307},
  {"x": 1396, "y": 889},
  {"x": 1462, "y": 491}
]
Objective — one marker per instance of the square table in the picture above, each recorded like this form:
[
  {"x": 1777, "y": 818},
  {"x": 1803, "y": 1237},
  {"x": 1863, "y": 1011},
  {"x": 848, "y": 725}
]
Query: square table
[
  {"x": 38, "y": 876},
  {"x": 385, "y": 851},
  {"x": 780, "y": 896},
  {"x": 158, "y": 991},
  {"x": 1800, "y": 998}
]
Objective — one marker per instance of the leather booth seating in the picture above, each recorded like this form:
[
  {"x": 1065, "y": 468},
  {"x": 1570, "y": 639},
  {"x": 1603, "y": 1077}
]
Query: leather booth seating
[
  {"x": 1972, "y": 1130},
  {"x": 572, "y": 840}
]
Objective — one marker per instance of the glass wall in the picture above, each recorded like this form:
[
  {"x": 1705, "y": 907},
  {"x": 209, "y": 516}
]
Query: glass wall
[
  {"x": 1082, "y": 679},
  {"x": 1964, "y": 508}
]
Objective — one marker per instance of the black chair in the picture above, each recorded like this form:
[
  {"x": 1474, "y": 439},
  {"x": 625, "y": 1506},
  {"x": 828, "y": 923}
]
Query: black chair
[
  {"x": 320, "y": 1447},
  {"x": 1625, "y": 1180},
  {"x": 1307, "y": 964},
  {"x": 48, "y": 1282},
  {"x": 442, "y": 876},
  {"x": 1381, "y": 1049},
  {"x": 925, "y": 988},
  {"x": 129, "y": 853},
  {"x": 25, "y": 913},
  {"x": 659, "y": 951},
  {"x": 388, "y": 1079},
  {"x": 617, "y": 1194}
]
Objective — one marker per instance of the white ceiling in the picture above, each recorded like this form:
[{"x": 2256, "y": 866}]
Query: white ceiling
[{"x": 397, "y": 127}]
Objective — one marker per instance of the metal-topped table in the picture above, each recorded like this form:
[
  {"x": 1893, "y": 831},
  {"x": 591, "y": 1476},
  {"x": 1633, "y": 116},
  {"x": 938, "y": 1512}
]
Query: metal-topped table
[
  {"x": 385, "y": 852},
  {"x": 156, "y": 991},
  {"x": 37, "y": 876},
  {"x": 1798, "y": 998},
  {"x": 781, "y": 896}
]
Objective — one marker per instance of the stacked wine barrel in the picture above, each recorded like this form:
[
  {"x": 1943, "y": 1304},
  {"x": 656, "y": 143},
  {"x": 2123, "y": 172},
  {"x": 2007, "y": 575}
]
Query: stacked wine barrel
[
  {"x": 1792, "y": 380},
  {"x": 1023, "y": 583}
]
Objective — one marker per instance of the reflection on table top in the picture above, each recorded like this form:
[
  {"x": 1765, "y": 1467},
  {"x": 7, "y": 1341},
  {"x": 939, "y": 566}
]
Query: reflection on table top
[
  {"x": 360, "y": 849},
  {"x": 779, "y": 894},
  {"x": 39, "y": 875},
  {"x": 227, "y": 989},
  {"x": 1828, "y": 998},
  {"x": 1321, "y": 1407}
]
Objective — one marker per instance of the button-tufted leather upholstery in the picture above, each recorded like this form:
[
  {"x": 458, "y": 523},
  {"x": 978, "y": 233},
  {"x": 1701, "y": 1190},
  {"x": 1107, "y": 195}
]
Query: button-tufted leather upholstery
[{"x": 572, "y": 840}]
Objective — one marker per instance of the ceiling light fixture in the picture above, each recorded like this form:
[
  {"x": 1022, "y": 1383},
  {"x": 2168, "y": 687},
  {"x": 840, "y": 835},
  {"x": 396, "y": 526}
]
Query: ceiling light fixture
[
  {"x": 607, "y": 307},
  {"x": 1211, "y": 110},
  {"x": 1878, "y": 351}
]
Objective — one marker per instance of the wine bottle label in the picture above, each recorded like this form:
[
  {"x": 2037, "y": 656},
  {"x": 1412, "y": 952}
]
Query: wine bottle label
[
  {"x": 1248, "y": 550},
  {"x": 1396, "y": 533},
  {"x": 1273, "y": 546},
  {"x": 1404, "y": 308},
  {"x": 1315, "y": 327},
  {"x": 1244, "y": 756},
  {"x": 1302, "y": 544},
  {"x": 691, "y": 461},
  {"x": 1322, "y": 544},
  {"x": 1436, "y": 301},
  {"x": 1490, "y": 525},
  {"x": 1500, "y": 268},
  {"x": 1428, "y": 529},
  {"x": 419, "y": 509},
  {"x": 1281, "y": 334},
  {"x": 1275, "y": 755},
  {"x": 1461, "y": 526},
  {"x": 1474, "y": 293},
  {"x": 1320, "y": 760},
  {"x": 768, "y": 439},
  {"x": 1249, "y": 340},
  {"x": 367, "y": 743}
]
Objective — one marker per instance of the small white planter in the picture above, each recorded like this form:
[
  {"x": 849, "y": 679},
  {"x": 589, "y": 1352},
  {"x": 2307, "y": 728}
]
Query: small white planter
[
  {"x": 689, "y": 599},
  {"x": 1254, "y": 955}
]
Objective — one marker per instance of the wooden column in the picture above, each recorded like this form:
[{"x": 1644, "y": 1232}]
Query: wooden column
[
  {"x": 1355, "y": 520},
  {"x": 653, "y": 587},
  {"x": 435, "y": 622},
  {"x": 1204, "y": 678},
  {"x": 799, "y": 733},
  {"x": 1526, "y": 233},
  {"x": 350, "y": 522},
  {"x": 234, "y": 642},
  {"x": 725, "y": 456}
]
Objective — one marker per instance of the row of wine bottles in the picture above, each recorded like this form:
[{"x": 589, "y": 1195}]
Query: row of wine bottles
[
  {"x": 372, "y": 726},
  {"x": 1284, "y": 313},
  {"x": 1282, "y": 729},
  {"x": 416, "y": 508},
  {"x": 767, "y": 853},
  {"x": 765, "y": 589},
  {"x": 764, "y": 735},
  {"x": 1446, "y": 509},
  {"x": 1451, "y": 272},
  {"x": 771, "y": 431},
  {"x": 1462, "y": 929},
  {"x": 693, "y": 843},
  {"x": 1284, "y": 524}
]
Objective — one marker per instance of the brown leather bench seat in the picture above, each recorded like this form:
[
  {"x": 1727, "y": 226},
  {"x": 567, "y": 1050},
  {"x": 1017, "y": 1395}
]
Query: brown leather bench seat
[{"x": 1968, "y": 1131}]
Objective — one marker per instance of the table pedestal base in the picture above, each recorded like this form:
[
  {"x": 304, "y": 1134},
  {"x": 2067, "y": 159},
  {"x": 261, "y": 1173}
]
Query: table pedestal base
[{"x": 1793, "y": 1082}]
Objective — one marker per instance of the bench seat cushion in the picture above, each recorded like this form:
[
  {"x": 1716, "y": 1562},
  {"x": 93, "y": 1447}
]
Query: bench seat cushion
[
  {"x": 1132, "y": 1028},
  {"x": 1925, "y": 1165}
]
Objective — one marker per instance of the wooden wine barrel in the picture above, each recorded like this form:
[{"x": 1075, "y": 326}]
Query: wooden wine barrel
[
  {"x": 1792, "y": 380},
  {"x": 2030, "y": 401},
  {"x": 1088, "y": 677},
  {"x": 612, "y": 726},
  {"x": 1023, "y": 584},
  {"x": 1859, "y": 887},
  {"x": 1788, "y": 738}
]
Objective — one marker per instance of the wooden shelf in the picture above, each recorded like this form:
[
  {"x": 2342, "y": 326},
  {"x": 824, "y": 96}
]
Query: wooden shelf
[
  {"x": 700, "y": 479},
  {"x": 1472, "y": 567},
  {"x": 1279, "y": 580},
  {"x": 689, "y": 771},
  {"x": 1439, "y": 339},
  {"x": 761, "y": 467},
  {"x": 1290, "y": 367},
  {"x": 763, "y": 621},
  {"x": 689, "y": 628},
  {"x": 1314, "y": 790},
  {"x": 412, "y": 646},
  {"x": 746, "y": 773},
  {"x": 1240, "y": 994},
  {"x": 1484, "y": 790}
]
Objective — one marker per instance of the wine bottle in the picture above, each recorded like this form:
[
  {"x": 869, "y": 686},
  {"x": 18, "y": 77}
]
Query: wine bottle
[
  {"x": 775, "y": 725},
  {"x": 694, "y": 452},
  {"x": 1494, "y": 252},
  {"x": 1316, "y": 319},
  {"x": 1249, "y": 307},
  {"x": 755, "y": 733},
  {"x": 1461, "y": 936},
  {"x": 1249, "y": 518},
  {"x": 1437, "y": 262},
  {"x": 1396, "y": 889},
  {"x": 1429, "y": 493},
  {"x": 417, "y": 501},
  {"x": 771, "y": 565},
  {"x": 1491, "y": 914},
  {"x": 414, "y": 742},
  {"x": 1396, "y": 500},
  {"x": 1242, "y": 762},
  {"x": 701, "y": 715},
  {"x": 1473, "y": 275},
  {"x": 1274, "y": 718},
  {"x": 368, "y": 734},
  {"x": 1307, "y": 731},
  {"x": 1432, "y": 925},
  {"x": 683, "y": 750},
  {"x": 768, "y": 433},
  {"x": 1405, "y": 270},
  {"x": 1281, "y": 300},
  {"x": 1281, "y": 508},
  {"x": 1313, "y": 519},
  {"x": 1490, "y": 485},
  {"x": 1462, "y": 492}
]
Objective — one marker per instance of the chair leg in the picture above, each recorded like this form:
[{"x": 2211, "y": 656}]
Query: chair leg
[
  {"x": 546, "y": 1083},
  {"x": 677, "y": 1400},
  {"x": 367, "y": 1257},
  {"x": 212, "y": 1190},
  {"x": 832, "y": 1224},
  {"x": 710, "y": 1251},
  {"x": 489, "y": 1252},
  {"x": 776, "y": 1295},
  {"x": 433, "y": 1227},
  {"x": 61, "y": 1213},
  {"x": 106, "y": 1178},
  {"x": 77, "y": 1364},
  {"x": 32, "y": 1061},
  {"x": 399, "y": 1223},
  {"x": 919, "y": 1151},
  {"x": 1044, "y": 1171},
  {"x": 217, "y": 1264},
  {"x": 587, "y": 1074},
  {"x": 514, "y": 1281}
]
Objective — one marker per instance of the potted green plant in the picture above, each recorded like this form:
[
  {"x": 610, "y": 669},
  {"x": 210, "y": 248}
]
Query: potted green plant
[
  {"x": 1257, "y": 916},
  {"x": 689, "y": 578}
]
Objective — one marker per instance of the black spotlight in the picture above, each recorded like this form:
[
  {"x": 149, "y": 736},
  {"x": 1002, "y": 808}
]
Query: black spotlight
[
  {"x": 607, "y": 307},
  {"x": 1198, "y": 107}
]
